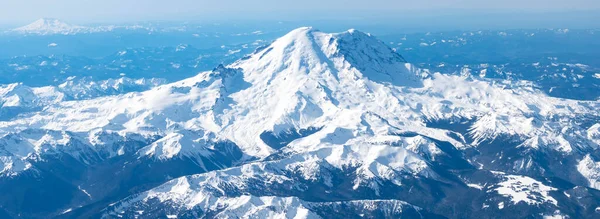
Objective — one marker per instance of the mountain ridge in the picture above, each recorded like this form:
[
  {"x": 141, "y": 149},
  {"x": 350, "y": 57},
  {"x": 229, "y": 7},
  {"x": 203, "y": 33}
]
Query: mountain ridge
[{"x": 316, "y": 119}]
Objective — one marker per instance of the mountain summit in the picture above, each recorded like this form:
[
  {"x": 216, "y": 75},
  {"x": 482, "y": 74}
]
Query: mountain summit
[
  {"x": 313, "y": 125},
  {"x": 49, "y": 26},
  {"x": 307, "y": 50}
]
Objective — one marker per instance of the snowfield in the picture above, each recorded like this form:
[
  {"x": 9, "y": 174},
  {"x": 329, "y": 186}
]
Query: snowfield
[{"x": 314, "y": 114}]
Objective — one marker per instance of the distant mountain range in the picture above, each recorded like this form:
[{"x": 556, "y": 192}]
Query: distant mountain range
[
  {"x": 312, "y": 125},
  {"x": 171, "y": 63},
  {"x": 52, "y": 26}
]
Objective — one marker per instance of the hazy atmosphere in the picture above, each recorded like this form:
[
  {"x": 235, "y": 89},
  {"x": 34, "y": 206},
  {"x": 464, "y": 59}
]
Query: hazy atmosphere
[
  {"x": 492, "y": 12},
  {"x": 314, "y": 109}
]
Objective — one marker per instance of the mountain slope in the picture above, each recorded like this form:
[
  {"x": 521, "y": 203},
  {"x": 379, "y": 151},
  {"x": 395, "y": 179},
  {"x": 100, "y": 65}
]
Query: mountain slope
[
  {"x": 19, "y": 99},
  {"x": 311, "y": 123}
]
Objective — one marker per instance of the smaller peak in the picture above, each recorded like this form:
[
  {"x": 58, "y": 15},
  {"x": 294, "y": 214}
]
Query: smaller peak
[
  {"x": 11, "y": 87},
  {"x": 18, "y": 89}
]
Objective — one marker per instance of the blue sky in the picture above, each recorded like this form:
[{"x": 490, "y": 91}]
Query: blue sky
[{"x": 83, "y": 11}]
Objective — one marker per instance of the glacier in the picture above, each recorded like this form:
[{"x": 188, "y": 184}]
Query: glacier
[{"x": 313, "y": 125}]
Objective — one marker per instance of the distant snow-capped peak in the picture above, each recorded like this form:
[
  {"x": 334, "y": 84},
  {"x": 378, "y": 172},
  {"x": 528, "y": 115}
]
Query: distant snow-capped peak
[{"x": 50, "y": 26}]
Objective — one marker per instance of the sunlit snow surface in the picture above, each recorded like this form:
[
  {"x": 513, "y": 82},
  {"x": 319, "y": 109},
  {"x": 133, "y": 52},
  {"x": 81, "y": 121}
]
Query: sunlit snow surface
[
  {"x": 368, "y": 106},
  {"x": 525, "y": 189}
]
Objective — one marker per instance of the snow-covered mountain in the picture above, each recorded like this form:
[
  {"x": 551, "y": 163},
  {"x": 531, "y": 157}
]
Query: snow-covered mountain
[
  {"x": 313, "y": 125},
  {"x": 52, "y": 26},
  {"x": 45, "y": 26},
  {"x": 18, "y": 99}
]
